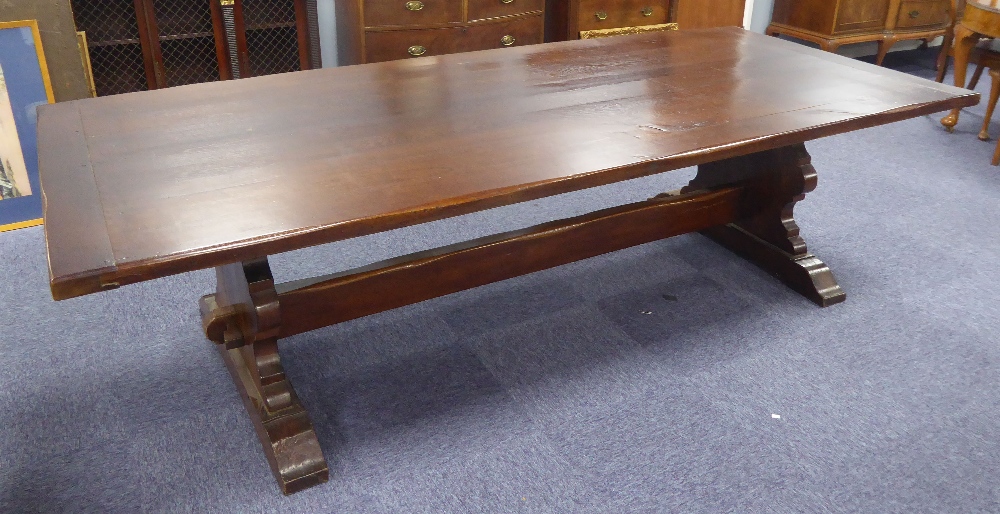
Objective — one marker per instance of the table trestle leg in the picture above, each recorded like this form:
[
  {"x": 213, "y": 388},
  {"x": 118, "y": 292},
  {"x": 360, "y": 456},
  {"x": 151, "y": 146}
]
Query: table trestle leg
[
  {"x": 766, "y": 233},
  {"x": 244, "y": 318}
]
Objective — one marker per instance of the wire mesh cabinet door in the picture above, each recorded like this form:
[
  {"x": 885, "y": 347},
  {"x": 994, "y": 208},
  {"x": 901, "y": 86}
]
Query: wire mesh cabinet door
[
  {"x": 271, "y": 36},
  {"x": 184, "y": 41},
  {"x": 117, "y": 41},
  {"x": 149, "y": 44}
]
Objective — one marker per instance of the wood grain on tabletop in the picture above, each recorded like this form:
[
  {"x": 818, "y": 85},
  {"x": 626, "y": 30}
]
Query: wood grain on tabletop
[{"x": 198, "y": 176}]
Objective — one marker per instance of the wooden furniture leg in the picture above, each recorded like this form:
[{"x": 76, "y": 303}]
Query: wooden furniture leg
[
  {"x": 984, "y": 133},
  {"x": 883, "y": 48},
  {"x": 976, "y": 75},
  {"x": 244, "y": 318},
  {"x": 994, "y": 96},
  {"x": 954, "y": 12},
  {"x": 765, "y": 232},
  {"x": 965, "y": 39},
  {"x": 942, "y": 59}
]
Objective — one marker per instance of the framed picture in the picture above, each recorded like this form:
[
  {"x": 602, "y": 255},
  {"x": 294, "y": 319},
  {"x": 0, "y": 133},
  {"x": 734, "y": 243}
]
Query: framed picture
[{"x": 24, "y": 85}]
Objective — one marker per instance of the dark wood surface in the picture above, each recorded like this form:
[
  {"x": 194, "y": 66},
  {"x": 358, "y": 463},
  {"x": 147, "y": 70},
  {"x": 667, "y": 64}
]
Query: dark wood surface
[
  {"x": 248, "y": 341},
  {"x": 317, "y": 302},
  {"x": 295, "y": 160},
  {"x": 203, "y": 175}
]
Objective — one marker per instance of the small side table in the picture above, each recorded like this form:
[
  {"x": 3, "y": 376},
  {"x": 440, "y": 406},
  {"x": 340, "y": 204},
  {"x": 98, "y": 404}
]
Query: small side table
[{"x": 980, "y": 19}]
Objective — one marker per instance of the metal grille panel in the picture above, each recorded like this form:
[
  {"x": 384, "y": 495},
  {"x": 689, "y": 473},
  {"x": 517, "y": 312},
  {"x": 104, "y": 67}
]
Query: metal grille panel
[
  {"x": 184, "y": 32},
  {"x": 114, "y": 45},
  {"x": 272, "y": 37},
  {"x": 187, "y": 41},
  {"x": 229, "y": 19},
  {"x": 189, "y": 60}
]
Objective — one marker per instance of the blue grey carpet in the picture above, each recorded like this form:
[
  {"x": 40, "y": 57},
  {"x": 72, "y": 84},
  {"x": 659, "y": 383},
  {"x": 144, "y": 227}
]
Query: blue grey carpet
[{"x": 648, "y": 380}]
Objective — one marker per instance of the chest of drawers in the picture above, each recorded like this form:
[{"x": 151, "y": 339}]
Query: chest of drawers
[
  {"x": 586, "y": 15},
  {"x": 567, "y": 19},
  {"x": 384, "y": 30}
]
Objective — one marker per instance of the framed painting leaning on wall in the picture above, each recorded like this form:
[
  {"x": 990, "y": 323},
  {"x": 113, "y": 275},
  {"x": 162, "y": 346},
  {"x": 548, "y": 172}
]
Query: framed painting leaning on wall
[{"x": 24, "y": 85}]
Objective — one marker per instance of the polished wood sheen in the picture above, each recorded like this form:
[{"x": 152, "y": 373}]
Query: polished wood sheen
[{"x": 222, "y": 175}]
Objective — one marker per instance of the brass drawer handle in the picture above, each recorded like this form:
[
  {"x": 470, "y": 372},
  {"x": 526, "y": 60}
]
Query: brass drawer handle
[
  {"x": 506, "y": 1},
  {"x": 647, "y": 11},
  {"x": 601, "y": 15},
  {"x": 914, "y": 14},
  {"x": 416, "y": 50},
  {"x": 507, "y": 40},
  {"x": 414, "y": 5}
]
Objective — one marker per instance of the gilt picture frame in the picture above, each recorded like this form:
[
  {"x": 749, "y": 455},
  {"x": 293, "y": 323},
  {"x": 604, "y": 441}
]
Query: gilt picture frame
[{"x": 24, "y": 85}]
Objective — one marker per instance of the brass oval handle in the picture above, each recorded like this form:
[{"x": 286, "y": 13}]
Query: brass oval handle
[
  {"x": 414, "y": 5},
  {"x": 416, "y": 50},
  {"x": 506, "y": 1},
  {"x": 914, "y": 14},
  {"x": 601, "y": 15},
  {"x": 507, "y": 40},
  {"x": 647, "y": 11}
]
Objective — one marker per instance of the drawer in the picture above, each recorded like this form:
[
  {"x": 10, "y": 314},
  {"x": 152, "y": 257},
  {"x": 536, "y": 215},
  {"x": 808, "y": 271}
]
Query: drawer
[
  {"x": 380, "y": 13},
  {"x": 404, "y": 44},
  {"x": 915, "y": 13},
  {"x": 519, "y": 31},
  {"x": 627, "y": 13},
  {"x": 390, "y": 45},
  {"x": 860, "y": 15},
  {"x": 484, "y": 9}
]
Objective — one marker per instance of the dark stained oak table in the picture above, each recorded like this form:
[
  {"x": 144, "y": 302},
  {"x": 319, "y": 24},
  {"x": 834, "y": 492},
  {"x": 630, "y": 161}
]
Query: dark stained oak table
[{"x": 222, "y": 175}]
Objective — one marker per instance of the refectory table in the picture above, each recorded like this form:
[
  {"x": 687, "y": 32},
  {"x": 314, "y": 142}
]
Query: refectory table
[{"x": 144, "y": 185}]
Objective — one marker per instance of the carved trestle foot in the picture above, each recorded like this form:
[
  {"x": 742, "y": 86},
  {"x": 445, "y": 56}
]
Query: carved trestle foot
[
  {"x": 244, "y": 318},
  {"x": 766, "y": 233}
]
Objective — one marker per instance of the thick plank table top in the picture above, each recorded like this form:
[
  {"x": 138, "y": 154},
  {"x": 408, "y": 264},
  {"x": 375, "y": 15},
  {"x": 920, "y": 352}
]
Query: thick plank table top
[{"x": 144, "y": 185}]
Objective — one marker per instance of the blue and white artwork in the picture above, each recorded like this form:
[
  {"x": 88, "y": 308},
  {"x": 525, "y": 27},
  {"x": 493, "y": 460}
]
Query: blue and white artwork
[{"x": 23, "y": 82}]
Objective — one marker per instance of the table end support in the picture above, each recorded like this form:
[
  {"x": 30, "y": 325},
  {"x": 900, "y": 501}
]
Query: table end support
[
  {"x": 243, "y": 318},
  {"x": 766, "y": 233}
]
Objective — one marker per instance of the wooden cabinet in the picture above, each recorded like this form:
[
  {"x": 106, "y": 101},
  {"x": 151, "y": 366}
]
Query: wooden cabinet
[
  {"x": 383, "y": 30},
  {"x": 696, "y": 14},
  {"x": 831, "y": 23},
  {"x": 567, "y": 18},
  {"x": 610, "y": 14},
  {"x": 136, "y": 45}
]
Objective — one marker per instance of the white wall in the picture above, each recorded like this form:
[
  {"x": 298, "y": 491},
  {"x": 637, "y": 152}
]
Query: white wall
[
  {"x": 327, "y": 20},
  {"x": 761, "y": 14}
]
